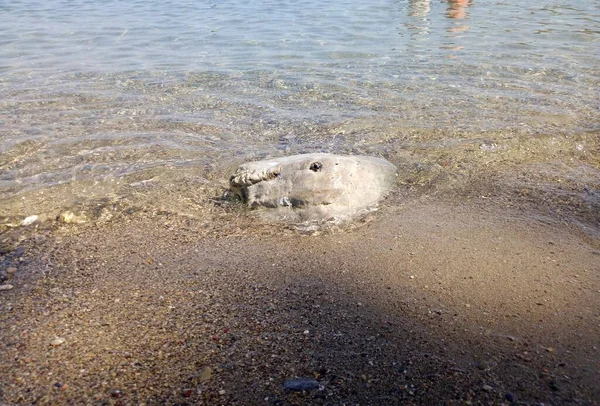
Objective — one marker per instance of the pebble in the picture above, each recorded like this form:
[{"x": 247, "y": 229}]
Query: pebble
[
  {"x": 57, "y": 341},
  {"x": 222, "y": 392},
  {"x": 70, "y": 217},
  {"x": 116, "y": 393},
  {"x": 206, "y": 374},
  {"x": 11, "y": 270},
  {"x": 487, "y": 388},
  {"x": 301, "y": 384},
  {"x": 6, "y": 287},
  {"x": 483, "y": 366},
  {"x": 29, "y": 220},
  {"x": 510, "y": 397}
]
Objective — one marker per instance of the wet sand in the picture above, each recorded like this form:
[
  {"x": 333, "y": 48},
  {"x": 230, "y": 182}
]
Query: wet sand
[{"x": 428, "y": 303}]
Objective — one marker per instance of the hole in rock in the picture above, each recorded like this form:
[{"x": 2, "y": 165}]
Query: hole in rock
[{"x": 316, "y": 166}]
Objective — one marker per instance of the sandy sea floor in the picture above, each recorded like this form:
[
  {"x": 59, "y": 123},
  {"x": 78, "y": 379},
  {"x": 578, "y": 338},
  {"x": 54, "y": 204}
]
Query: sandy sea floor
[{"x": 430, "y": 302}]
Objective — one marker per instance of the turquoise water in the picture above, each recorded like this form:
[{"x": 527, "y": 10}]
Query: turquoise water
[{"x": 95, "y": 95}]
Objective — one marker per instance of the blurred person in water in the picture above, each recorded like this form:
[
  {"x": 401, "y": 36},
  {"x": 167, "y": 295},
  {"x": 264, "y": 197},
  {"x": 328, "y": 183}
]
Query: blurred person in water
[
  {"x": 419, "y": 8},
  {"x": 419, "y": 24},
  {"x": 458, "y": 8}
]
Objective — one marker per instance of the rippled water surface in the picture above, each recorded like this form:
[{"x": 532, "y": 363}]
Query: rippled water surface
[{"x": 152, "y": 103}]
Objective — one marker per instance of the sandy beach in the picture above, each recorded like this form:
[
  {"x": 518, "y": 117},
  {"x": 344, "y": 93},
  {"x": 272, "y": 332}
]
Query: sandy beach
[
  {"x": 432, "y": 302},
  {"x": 130, "y": 276}
]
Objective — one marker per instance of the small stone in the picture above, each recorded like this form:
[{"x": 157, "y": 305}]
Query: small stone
[
  {"x": 222, "y": 392},
  {"x": 6, "y": 287},
  {"x": 105, "y": 215},
  {"x": 70, "y": 217},
  {"x": 29, "y": 220},
  {"x": 186, "y": 393},
  {"x": 487, "y": 388},
  {"x": 483, "y": 366},
  {"x": 11, "y": 270},
  {"x": 510, "y": 397},
  {"x": 116, "y": 393},
  {"x": 306, "y": 332},
  {"x": 18, "y": 253},
  {"x": 301, "y": 384},
  {"x": 206, "y": 374},
  {"x": 57, "y": 341}
]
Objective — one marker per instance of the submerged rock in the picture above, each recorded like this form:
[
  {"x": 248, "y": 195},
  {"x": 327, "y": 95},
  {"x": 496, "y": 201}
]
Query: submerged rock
[
  {"x": 314, "y": 186},
  {"x": 29, "y": 220},
  {"x": 70, "y": 217}
]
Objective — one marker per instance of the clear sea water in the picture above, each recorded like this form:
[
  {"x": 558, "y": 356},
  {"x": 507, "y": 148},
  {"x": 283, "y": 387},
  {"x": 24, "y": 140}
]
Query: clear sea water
[{"x": 148, "y": 101}]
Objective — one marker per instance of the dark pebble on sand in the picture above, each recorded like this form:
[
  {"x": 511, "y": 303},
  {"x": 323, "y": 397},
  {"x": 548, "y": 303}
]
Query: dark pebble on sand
[
  {"x": 301, "y": 384},
  {"x": 554, "y": 386},
  {"x": 116, "y": 393},
  {"x": 510, "y": 397},
  {"x": 483, "y": 366}
]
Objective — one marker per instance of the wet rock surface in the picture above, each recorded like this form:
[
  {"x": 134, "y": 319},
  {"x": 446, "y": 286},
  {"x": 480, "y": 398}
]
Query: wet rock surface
[{"x": 314, "y": 186}]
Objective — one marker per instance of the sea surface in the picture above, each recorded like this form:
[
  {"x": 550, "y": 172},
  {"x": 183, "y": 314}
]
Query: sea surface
[{"x": 150, "y": 104}]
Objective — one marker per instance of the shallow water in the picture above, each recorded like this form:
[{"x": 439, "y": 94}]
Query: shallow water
[{"x": 152, "y": 103}]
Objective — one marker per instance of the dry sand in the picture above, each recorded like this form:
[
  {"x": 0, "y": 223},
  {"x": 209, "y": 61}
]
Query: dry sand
[{"x": 428, "y": 303}]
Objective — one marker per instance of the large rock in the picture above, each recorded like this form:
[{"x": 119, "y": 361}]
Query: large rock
[{"x": 314, "y": 186}]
